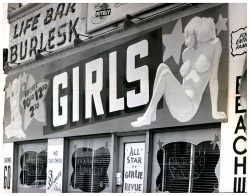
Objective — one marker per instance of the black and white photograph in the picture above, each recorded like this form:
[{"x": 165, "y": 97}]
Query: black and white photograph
[{"x": 132, "y": 97}]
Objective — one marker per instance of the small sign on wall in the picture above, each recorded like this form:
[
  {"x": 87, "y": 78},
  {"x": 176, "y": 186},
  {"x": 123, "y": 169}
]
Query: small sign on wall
[
  {"x": 7, "y": 167},
  {"x": 102, "y": 14},
  {"x": 55, "y": 166},
  {"x": 134, "y": 167}
]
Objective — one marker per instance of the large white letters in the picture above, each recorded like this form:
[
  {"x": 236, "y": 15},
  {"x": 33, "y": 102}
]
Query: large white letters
[
  {"x": 58, "y": 119},
  {"x": 94, "y": 88},
  {"x": 94, "y": 84},
  {"x": 140, "y": 73},
  {"x": 114, "y": 103},
  {"x": 75, "y": 111}
]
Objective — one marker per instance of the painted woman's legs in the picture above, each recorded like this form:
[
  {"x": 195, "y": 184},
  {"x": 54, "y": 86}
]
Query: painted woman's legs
[
  {"x": 160, "y": 68},
  {"x": 168, "y": 86},
  {"x": 159, "y": 90}
]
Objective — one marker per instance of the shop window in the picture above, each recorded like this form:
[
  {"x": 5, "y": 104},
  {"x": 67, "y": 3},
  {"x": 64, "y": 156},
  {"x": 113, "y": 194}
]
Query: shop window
[
  {"x": 186, "y": 162},
  {"x": 89, "y": 165},
  {"x": 32, "y": 167},
  {"x": 186, "y": 167}
]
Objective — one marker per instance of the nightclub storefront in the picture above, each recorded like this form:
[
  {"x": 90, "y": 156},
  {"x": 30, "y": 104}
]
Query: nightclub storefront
[{"x": 125, "y": 98}]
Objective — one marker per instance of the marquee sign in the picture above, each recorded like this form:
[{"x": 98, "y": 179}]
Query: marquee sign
[{"x": 160, "y": 78}]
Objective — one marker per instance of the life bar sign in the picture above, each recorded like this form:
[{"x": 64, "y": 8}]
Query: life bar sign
[{"x": 100, "y": 13}]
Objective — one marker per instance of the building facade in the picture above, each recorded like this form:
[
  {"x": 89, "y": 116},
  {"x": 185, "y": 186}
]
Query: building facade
[{"x": 125, "y": 98}]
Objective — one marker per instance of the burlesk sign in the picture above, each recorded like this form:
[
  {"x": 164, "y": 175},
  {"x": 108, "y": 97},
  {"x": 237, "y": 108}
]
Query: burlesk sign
[
  {"x": 173, "y": 75},
  {"x": 50, "y": 28}
]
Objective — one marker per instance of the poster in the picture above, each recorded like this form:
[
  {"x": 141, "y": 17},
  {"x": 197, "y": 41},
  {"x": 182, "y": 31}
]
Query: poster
[
  {"x": 134, "y": 167},
  {"x": 8, "y": 150},
  {"x": 55, "y": 166}
]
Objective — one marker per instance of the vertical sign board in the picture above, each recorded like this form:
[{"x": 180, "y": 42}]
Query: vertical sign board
[
  {"x": 134, "y": 167},
  {"x": 55, "y": 166},
  {"x": 233, "y": 133},
  {"x": 8, "y": 167}
]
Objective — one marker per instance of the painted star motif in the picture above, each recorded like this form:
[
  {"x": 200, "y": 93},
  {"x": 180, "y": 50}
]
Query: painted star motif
[
  {"x": 160, "y": 145},
  {"x": 8, "y": 91},
  {"x": 221, "y": 24},
  {"x": 216, "y": 190},
  {"x": 24, "y": 78},
  {"x": 106, "y": 146},
  {"x": 173, "y": 43},
  {"x": 35, "y": 106},
  {"x": 216, "y": 139},
  {"x": 157, "y": 188}
]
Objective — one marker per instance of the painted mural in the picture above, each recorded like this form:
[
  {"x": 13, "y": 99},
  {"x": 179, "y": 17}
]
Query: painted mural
[
  {"x": 26, "y": 95},
  {"x": 201, "y": 59}
]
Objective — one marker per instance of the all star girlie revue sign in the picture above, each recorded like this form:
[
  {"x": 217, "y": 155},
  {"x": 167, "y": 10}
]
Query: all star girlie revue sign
[{"x": 169, "y": 76}]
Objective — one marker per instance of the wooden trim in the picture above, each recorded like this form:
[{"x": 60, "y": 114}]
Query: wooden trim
[
  {"x": 148, "y": 162},
  {"x": 65, "y": 165},
  {"x": 15, "y": 168},
  {"x": 114, "y": 160}
]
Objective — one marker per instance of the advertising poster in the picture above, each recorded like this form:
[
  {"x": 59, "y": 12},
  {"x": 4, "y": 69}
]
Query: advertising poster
[
  {"x": 55, "y": 166},
  {"x": 8, "y": 150},
  {"x": 134, "y": 167}
]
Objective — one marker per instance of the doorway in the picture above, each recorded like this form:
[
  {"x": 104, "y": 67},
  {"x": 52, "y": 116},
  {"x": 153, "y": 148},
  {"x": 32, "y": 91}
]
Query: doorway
[{"x": 131, "y": 172}]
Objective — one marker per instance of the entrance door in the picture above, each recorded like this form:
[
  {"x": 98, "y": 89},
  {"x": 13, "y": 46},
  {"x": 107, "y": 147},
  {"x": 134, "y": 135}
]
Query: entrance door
[{"x": 131, "y": 170}]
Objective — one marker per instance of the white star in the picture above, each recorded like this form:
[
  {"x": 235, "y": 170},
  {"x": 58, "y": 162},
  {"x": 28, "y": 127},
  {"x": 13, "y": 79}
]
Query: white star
[
  {"x": 24, "y": 78},
  {"x": 216, "y": 190},
  {"x": 221, "y": 24},
  {"x": 160, "y": 145},
  {"x": 173, "y": 43},
  {"x": 8, "y": 91},
  {"x": 35, "y": 106},
  {"x": 216, "y": 139}
]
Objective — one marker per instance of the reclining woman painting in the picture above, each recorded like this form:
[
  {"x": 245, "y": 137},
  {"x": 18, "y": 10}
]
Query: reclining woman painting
[{"x": 201, "y": 61}]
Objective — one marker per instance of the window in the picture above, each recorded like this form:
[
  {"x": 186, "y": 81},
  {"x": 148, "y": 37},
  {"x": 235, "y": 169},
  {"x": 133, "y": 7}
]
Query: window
[
  {"x": 89, "y": 165},
  {"x": 186, "y": 167},
  {"x": 32, "y": 167},
  {"x": 186, "y": 161}
]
